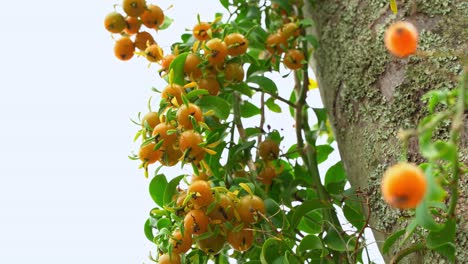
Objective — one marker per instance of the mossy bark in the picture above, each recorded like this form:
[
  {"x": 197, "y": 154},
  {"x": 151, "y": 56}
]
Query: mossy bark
[{"x": 370, "y": 94}]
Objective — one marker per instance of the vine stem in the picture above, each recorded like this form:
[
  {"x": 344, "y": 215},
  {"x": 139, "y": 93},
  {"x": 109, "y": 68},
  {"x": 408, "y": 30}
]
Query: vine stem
[
  {"x": 457, "y": 127},
  {"x": 243, "y": 137},
  {"x": 262, "y": 117},
  {"x": 275, "y": 96},
  {"x": 405, "y": 252}
]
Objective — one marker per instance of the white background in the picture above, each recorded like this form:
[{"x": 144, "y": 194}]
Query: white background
[{"x": 68, "y": 192}]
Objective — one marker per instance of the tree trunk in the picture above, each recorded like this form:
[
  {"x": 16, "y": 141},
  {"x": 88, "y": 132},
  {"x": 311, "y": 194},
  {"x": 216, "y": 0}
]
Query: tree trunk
[{"x": 370, "y": 94}]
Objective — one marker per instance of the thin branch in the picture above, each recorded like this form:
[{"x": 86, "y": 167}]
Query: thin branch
[
  {"x": 406, "y": 252},
  {"x": 457, "y": 127},
  {"x": 275, "y": 96}
]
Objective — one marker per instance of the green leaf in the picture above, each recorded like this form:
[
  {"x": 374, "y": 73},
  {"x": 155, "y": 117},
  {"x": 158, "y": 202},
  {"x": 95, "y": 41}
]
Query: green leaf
[
  {"x": 243, "y": 88},
  {"x": 225, "y": 3},
  {"x": 171, "y": 189},
  {"x": 252, "y": 132},
  {"x": 164, "y": 223},
  {"x": 322, "y": 152},
  {"x": 335, "y": 178},
  {"x": 293, "y": 100},
  {"x": 220, "y": 106},
  {"x": 409, "y": 230},
  {"x": 425, "y": 219},
  {"x": 196, "y": 93},
  {"x": 311, "y": 223},
  {"x": 156, "y": 189},
  {"x": 334, "y": 241},
  {"x": 312, "y": 40},
  {"x": 354, "y": 213},
  {"x": 303, "y": 209},
  {"x": 167, "y": 23},
  {"x": 272, "y": 249},
  {"x": 274, "y": 107},
  {"x": 264, "y": 83},
  {"x": 177, "y": 66},
  {"x": 149, "y": 230},
  {"x": 321, "y": 114},
  {"x": 248, "y": 109},
  {"x": 391, "y": 240},
  {"x": 435, "y": 193},
  {"x": 447, "y": 250},
  {"x": 274, "y": 213},
  {"x": 309, "y": 242},
  {"x": 292, "y": 152},
  {"x": 445, "y": 236}
]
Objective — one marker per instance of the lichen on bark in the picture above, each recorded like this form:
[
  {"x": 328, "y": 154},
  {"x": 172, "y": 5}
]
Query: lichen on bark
[{"x": 370, "y": 95}]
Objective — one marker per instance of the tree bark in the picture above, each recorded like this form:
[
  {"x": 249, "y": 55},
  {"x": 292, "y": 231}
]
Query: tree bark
[{"x": 370, "y": 95}]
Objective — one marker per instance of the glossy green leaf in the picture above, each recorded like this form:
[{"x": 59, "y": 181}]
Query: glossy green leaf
[
  {"x": 272, "y": 250},
  {"x": 164, "y": 223},
  {"x": 171, "y": 189},
  {"x": 243, "y": 88},
  {"x": 323, "y": 151},
  {"x": 167, "y": 23},
  {"x": 312, "y": 222},
  {"x": 304, "y": 208},
  {"x": 264, "y": 83},
  {"x": 156, "y": 189},
  {"x": 309, "y": 242},
  {"x": 248, "y": 109},
  {"x": 391, "y": 240},
  {"x": 353, "y": 212},
  {"x": 275, "y": 214},
  {"x": 221, "y": 107},
  {"x": 177, "y": 66},
  {"x": 425, "y": 219},
  {"x": 445, "y": 236},
  {"x": 148, "y": 229},
  {"x": 274, "y": 107},
  {"x": 335, "y": 178},
  {"x": 334, "y": 241},
  {"x": 195, "y": 93}
]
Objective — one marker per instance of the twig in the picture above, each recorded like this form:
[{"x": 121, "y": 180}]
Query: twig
[
  {"x": 276, "y": 96},
  {"x": 406, "y": 252}
]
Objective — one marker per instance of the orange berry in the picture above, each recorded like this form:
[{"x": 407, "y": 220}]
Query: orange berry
[
  {"x": 143, "y": 40},
  {"x": 154, "y": 53},
  {"x": 169, "y": 259},
  {"x": 167, "y": 60},
  {"x": 401, "y": 39},
  {"x": 184, "y": 115},
  {"x": 189, "y": 141},
  {"x": 250, "y": 208},
  {"x": 160, "y": 132},
  {"x": 293, "y": 59},
  {"x": 132, "y": 25},
  {"x": 210, "y": 84},
  {"x": 148, "y": 154},
  {"x": 172, "y": 91},
  {"x": 268, "y": 150},
  {"x": 170, "y": 156},
  {"x": 201, "y": 193},
  {"x": 191, "y": 66},
  {"x": 212, "y": 245},
  {"x": 124, "y": 48},
  {"x": 404, "y": 185},
  {"x": 215, "y": 51},
  {"x": 242, "y": 240},
  {"x": 152, "y": 118},
  {"x": 200, "y": 31},
  {"x": 290, "y": 30},
  {"x": 134, "y": 8},
  {"x": 234, "y": 72},
  {"x": 114, "y": 22},
  {"x": 267, "y": 175},
  {"x": 276, "y": 43},
  {"x": 237, "y": 44},
  {"x": 153, "y": 17},
  {"x": 224, "y": 209},
  {"x": 196, "y": 222},
  {"x": 181, "y": 242}
]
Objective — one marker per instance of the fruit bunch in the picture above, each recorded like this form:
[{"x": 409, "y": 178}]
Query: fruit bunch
[
  {"x": 132, "y": 36},
  {"x": 211, "y": 216}
]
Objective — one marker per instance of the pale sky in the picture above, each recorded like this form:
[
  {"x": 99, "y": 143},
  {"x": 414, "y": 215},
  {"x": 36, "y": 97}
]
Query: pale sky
[{"x": 68, "y": 192}]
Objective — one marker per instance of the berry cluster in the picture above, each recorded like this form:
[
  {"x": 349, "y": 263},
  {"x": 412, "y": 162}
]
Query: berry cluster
[{"x": 137, "y": 12}]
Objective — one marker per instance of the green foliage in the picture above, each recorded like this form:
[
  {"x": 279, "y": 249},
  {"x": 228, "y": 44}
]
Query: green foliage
[{"x": 295, "y": 219}]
